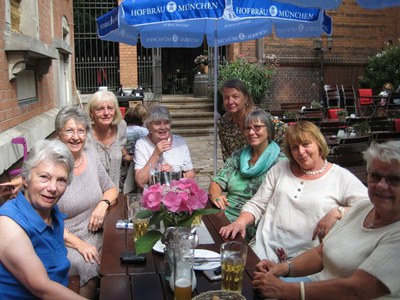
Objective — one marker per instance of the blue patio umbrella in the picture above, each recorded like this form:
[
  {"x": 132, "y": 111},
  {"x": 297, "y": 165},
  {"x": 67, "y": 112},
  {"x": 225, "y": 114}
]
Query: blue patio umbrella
[
  {"x": 332, "y": 4},
  {"x": 185, "y": 23}
]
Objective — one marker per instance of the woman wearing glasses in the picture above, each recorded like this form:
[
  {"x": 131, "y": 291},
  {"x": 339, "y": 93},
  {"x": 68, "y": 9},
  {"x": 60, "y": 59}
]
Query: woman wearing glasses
[
  {"x": 243, "y": 172},
  {"x": 86, "y": 200},
  {"x": 238, "y": 103},
  {"x": 301, "y": 198},
  {"x": 359, "y": 258}
]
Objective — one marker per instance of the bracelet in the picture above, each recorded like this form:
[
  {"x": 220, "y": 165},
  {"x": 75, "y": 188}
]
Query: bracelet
[
  {"x": 290, "y": 265},
  {"x": 302, "y": 291}
]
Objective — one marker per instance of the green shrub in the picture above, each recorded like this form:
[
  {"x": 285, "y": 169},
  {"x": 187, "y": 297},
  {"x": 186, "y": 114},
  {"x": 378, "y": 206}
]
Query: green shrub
[
  {"x": 257, "y": 77},
  {"x": 383, "y": 67}
]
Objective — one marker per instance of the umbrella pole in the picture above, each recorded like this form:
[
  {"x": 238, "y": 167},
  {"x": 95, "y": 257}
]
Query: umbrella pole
[{"x": 216, "y": 115}]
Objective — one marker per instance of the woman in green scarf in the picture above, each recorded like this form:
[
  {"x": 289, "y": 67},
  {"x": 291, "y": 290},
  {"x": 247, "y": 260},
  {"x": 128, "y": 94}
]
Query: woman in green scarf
[{"x": 244, "y": 171}]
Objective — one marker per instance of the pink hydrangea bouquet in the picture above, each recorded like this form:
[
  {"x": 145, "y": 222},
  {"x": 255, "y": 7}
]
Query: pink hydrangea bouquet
[{"x": 176, "y": 205}]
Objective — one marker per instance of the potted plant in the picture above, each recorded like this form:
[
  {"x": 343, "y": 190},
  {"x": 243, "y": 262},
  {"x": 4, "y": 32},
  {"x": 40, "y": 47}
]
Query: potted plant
[
  {"x": 202, "y": 63},
  {"x": 289, "y": 114},
  {"x": 361, "y": 129},
  {"x": 315, "y": 104},
  {"x": 342, "y": 114}
]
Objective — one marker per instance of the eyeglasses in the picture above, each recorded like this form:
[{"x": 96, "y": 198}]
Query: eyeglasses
[
  {"x": 71, "y": 132},
  {"x": 255, "y": 128},
  {"x": 390, "y": 179}
]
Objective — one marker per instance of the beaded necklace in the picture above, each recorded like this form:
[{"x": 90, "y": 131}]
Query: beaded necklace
[{"x": 316, "y": 172}]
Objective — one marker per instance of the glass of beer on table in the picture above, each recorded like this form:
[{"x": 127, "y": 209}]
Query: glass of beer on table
[
  {"x": 233, "y": 261},
  {"x": 184, "y": 245}
]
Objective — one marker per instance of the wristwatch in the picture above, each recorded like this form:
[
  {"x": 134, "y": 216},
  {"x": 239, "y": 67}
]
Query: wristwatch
[
  {"x": 107, "y": 201},
  {"x": 341, "y": 211}
]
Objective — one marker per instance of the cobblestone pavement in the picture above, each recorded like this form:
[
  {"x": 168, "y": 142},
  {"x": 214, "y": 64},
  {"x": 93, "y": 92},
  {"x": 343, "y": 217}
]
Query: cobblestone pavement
[{"x": 202, "y": 152}]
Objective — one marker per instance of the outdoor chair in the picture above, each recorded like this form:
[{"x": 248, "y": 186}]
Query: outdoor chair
[
  {"x": 365, "y": 103},
  {"x": 381, "y": 137},
  {"x": 381, "y": 125},
  {"x": 332, "y": 127},
  {"x": 348, "y": 154},
  {"x": 19, "y": 141},
  {"x": 393, "y": 105},
  {"x": 356, "y": 140},
  {"x": 349, "y": 98},
  {"x": 332, "y": 96}
]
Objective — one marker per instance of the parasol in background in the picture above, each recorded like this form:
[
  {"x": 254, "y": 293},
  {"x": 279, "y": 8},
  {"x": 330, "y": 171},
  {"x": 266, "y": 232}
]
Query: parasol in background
[{"x": 185, "y": 23}]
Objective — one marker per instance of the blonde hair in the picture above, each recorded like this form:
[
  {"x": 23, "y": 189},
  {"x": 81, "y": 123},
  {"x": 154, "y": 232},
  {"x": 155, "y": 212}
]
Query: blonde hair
[
  {"x": 101, "y": 97},
  {"x": 302, "y": 132},
  {"x": 388, "y": 87}
]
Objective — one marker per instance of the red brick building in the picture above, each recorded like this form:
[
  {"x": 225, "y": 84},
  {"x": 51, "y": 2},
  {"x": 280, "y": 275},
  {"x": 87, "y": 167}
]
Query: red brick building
[{"x": 36, "y": 70}]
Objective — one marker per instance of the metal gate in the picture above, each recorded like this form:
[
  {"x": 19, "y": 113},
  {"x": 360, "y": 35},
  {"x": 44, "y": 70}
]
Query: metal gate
[
  {"x": 149, "y": 70},
  {"x": 96, "y": 61}
]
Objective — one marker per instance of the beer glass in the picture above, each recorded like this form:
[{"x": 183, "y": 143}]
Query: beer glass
[
  {"x": 132, "y": 204},
  {"x": 233, "y": 261},
  {"x": 184, "y": 245},
  {"x": 140, "y": 226}
]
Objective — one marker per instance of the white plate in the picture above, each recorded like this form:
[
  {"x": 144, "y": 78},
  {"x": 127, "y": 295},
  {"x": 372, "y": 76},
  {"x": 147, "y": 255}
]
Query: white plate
[
  {"x": 207, "y": 254},
  {"x": 159, "y": 247}
]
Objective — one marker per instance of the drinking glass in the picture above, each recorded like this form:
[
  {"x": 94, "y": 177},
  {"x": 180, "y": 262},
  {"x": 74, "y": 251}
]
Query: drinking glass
[
  {"x": 184, "y": 245},
  {"x": 154, "y": 175},
  {"x": 175, "y": 173},
  {"x": 169, "y": 173},
  {"x": 233, "y": 261},
  {"x": 140, "y": 226},
  {"x": 133, "y": 204}
]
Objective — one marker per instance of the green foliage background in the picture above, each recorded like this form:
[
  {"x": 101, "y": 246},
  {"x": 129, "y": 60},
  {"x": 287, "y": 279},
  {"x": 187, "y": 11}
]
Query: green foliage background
[
  {"x": 256, "y": 75},
  {"x": 383, "y": 67}
]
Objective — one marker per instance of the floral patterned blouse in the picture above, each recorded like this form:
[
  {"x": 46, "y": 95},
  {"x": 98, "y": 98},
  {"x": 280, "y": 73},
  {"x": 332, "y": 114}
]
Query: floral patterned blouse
[{"x": 232, "y": 138}]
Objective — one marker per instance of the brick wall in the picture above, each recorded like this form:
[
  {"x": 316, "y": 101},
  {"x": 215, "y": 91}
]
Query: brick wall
[
  {"x": 357, "y": 34},
  {"x": 11, "y": 114},
  {"x": 128, "y": 66}
]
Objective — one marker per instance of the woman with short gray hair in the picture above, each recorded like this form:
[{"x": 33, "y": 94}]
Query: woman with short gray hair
[
  {"x": 86, "y": 201},
  {"x": 160, "y": 146},
  {"x": 34, "y": 261}
]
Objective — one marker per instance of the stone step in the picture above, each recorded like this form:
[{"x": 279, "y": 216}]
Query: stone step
[
  {"x": 185, "y": 132},
  {"x": 191, "y": 116},
  {"x": 192, "y": 107},
  {"x": 184, "y": 99}
]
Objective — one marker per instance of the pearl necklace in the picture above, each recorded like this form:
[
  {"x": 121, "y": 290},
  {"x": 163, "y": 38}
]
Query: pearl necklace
[
  {"x": 316, "y": 172},
  {"x": 79, "y": 163}
]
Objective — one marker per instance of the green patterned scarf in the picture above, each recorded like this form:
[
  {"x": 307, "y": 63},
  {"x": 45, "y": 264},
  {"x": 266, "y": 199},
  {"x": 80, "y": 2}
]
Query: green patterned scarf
[{"x": 264, "y": 162}]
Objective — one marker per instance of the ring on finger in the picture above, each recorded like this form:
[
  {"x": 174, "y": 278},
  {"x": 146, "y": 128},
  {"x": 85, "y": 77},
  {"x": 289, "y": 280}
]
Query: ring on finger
[{"x": 217, "y": 200}]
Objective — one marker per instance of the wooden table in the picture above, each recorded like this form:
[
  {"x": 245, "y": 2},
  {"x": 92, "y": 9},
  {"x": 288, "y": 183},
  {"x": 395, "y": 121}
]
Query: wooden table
[{"x": 119, "y": 281}]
